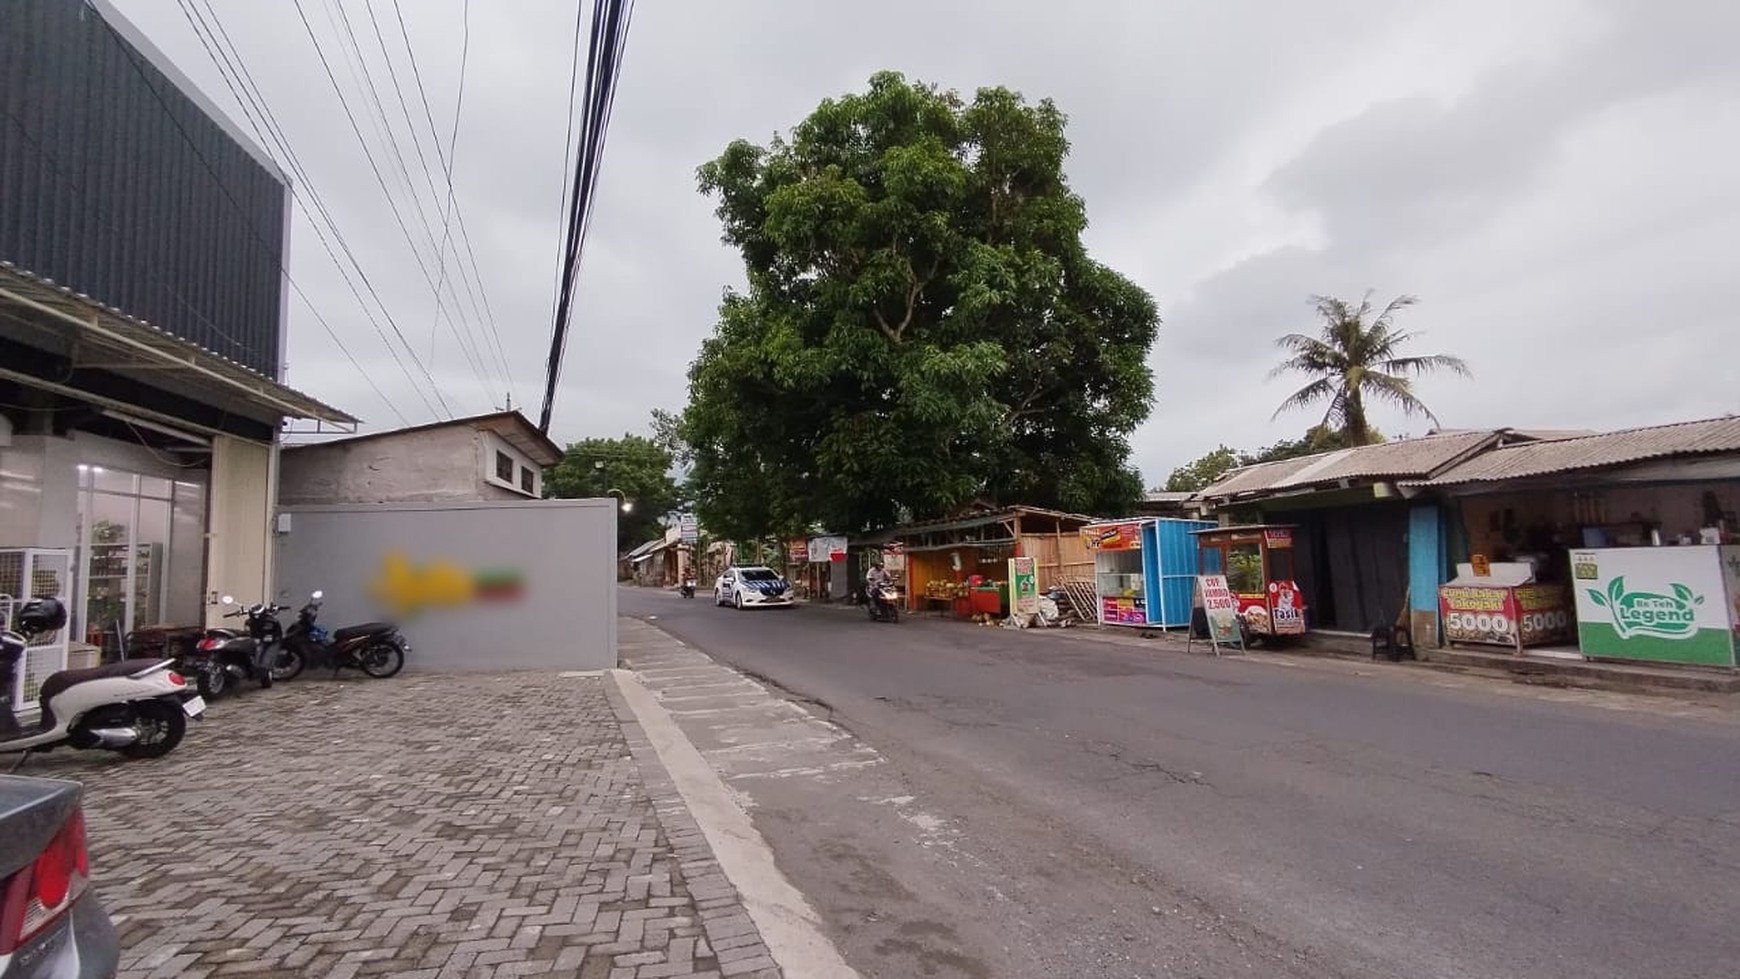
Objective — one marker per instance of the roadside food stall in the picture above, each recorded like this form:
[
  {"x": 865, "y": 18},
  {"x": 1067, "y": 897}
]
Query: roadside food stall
[
  {"x": 1668, "y": 604},
  {"x": 1503, "y": 605},
  {"x": 1257, "y": 560},
  {"x": 1120, "y": 585},
  {"x": 1144, "y": 570}
]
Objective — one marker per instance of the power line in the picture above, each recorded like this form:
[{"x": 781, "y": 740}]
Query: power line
[
  {"x": 379, "y": 178},
  {"x": 468, "y": 345},
  {"x": 610, "y": 22},
  {"x": 268, "y": 130},
  {"x": 453, "y": 211}
]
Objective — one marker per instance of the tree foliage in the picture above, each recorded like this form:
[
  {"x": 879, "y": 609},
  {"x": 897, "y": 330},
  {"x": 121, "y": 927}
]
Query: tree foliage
[
  {"x": 1355, "y": 358},
  {"x": 1213, "y": 465},
  {"x": 922, "y": 327},
  {"x": 636, "y": 466}
]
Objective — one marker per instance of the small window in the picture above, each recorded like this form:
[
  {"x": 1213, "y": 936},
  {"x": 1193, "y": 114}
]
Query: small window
[
  {"x": 527, "y": 479},
  {"x": 504, "y": 467}
]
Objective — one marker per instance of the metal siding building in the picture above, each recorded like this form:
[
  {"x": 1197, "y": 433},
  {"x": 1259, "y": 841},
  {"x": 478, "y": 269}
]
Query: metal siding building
[{"x": 116, "y": 183}]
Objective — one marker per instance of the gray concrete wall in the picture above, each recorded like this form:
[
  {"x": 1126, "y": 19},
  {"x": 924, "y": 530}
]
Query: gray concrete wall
[
  {"x": 433, "y": 466},
  {"x": 563, "y": 552}
]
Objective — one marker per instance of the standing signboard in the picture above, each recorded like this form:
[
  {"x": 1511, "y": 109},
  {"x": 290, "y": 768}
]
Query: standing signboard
[
  {"x": 691, "y": 528},
  {"x": 1220, "y": 607},
  {"x": 1023, "y": 589}
]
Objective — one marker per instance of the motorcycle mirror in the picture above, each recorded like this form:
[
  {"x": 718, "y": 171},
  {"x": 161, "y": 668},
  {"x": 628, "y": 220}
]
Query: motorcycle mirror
[
  {"x": 317, "y": 595},
  {"x": 228, "y": 599}
]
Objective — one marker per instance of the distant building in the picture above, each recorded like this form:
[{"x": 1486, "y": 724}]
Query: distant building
[
  {"x": 498, "y": 456},
  {"x": 1160, "y": 503}
]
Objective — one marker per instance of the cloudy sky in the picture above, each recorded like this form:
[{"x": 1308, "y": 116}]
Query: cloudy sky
[{"x": 1558, "y": 181}]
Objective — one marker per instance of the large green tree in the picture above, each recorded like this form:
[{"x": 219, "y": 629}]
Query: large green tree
[
  {"x": 637, "y": 468},
  {"x": 1355, "y": 359},
  {"x": 922, "y": 327}
]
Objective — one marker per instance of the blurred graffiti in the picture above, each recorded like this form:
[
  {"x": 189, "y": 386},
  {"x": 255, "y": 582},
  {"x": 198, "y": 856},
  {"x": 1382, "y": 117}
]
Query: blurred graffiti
[{"x": 407, "y": 588}]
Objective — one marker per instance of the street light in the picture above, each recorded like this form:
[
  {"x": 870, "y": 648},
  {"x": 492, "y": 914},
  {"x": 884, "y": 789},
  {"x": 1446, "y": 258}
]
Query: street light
[{"x": 604, "y": 477}]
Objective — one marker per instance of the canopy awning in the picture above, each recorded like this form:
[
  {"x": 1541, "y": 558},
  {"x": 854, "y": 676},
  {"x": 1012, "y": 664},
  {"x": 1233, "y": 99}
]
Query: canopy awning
[{"x": 103, "y": 337}]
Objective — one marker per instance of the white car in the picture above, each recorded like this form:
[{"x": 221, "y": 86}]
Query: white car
[{"x": 752, "y": 587}]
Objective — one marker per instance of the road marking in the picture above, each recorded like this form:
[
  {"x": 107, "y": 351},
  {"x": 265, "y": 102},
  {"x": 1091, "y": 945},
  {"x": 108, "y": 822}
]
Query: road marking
[{"x": 788, "y": 924}]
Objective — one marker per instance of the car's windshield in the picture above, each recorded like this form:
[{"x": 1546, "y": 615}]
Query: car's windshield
[{"x": 758, "y": 574}]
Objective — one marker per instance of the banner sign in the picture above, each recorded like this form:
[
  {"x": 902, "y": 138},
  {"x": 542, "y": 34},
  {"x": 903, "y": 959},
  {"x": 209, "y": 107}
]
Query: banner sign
[
  {"x": 1529, "y": 615},
  {"x": 1661, "y": 604},
  {"x": 893, "y": 558},
  {"x": 1125, "y": 536},
  {"x": 1288, "y": 616},
  {"x": 828, "y": 548}
]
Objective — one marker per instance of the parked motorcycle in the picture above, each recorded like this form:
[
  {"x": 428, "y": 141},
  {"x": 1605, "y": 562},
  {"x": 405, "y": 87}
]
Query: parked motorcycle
[
  {"x": 884, "y": 604},
  {"x": 138, "y": 707},
  {"x": 376, "y": 648},
  {"x": 226, "y": 657},
  {"x": 687, "y": 588}
]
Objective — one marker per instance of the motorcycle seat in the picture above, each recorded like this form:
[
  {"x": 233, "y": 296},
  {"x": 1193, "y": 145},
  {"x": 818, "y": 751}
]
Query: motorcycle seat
[
  {"x": 58, "y": 683},
  {"x": 366, "y": 629}
]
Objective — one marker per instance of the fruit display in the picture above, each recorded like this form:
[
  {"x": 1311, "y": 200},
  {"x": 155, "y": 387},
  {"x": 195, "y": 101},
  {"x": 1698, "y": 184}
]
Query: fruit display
[{"x": 948, "y": 590}]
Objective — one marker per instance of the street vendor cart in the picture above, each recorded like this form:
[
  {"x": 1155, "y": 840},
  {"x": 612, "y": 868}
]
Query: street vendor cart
[
  {"x": 1503, "y": 605},
  {"x": 1257, "y": 560}
]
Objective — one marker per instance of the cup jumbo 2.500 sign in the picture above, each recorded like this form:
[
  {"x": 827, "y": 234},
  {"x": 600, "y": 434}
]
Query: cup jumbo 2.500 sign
[{"x": 1665, "y": 604}]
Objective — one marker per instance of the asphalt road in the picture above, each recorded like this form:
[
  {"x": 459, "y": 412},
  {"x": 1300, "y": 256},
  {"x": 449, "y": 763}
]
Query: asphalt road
[{"x": 1102, "y": 810}]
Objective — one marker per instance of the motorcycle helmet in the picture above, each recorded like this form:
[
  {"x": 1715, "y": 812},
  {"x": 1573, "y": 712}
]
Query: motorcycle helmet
[{"x": 39, "y": 616}]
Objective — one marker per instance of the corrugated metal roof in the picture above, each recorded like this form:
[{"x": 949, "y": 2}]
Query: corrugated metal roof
[
  {"x": 1406, "y": 459},
  {"x": 1595, "y": 451},
  {"x": 152, "y": 348}
]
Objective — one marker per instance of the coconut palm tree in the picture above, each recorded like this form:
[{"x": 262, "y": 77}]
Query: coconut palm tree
[{"x": 1353, "y": 360}]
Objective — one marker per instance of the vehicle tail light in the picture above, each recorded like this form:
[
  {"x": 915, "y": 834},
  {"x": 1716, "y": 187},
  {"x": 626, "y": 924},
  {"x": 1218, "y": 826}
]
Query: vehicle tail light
[
  {"x": 37, "y": 896},
  {"x": 210, "y": 644},
  {"x": 176, "y": 679}
]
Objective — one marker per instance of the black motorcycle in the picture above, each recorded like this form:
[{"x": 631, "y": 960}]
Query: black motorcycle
[
  {"x": 687, "y": 588},
  {"x": 376, "y": 648},
  {"x": 226, "y": 657}
]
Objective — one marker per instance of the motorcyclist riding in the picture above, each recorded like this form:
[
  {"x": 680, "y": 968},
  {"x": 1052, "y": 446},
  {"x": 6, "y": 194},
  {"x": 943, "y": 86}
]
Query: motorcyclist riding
[{"x": 882, "y": 603}]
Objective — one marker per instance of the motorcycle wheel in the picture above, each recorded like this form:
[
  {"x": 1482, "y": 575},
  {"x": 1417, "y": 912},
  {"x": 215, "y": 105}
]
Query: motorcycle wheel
[
  {"x": 213, "y": 682},
  {"x": 289, "y": 665},
  {"x": 161, "y": 727},
  {"x": 382, "y": 660}
]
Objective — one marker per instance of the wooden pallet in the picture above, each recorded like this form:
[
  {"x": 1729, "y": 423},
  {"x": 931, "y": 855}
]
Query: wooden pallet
[{"x": 1082, "y": 599}]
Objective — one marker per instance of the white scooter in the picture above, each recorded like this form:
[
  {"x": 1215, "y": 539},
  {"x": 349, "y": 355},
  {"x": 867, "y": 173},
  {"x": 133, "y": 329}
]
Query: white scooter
[{"x": 137, "y": 707}]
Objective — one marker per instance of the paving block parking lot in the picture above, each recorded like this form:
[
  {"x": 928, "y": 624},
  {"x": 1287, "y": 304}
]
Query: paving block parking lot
[{"x": 427, "y": 826}]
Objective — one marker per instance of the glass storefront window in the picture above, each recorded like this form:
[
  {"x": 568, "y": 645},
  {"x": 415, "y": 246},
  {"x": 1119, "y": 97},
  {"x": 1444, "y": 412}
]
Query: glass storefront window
[{"x": 140, "y": 549}]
